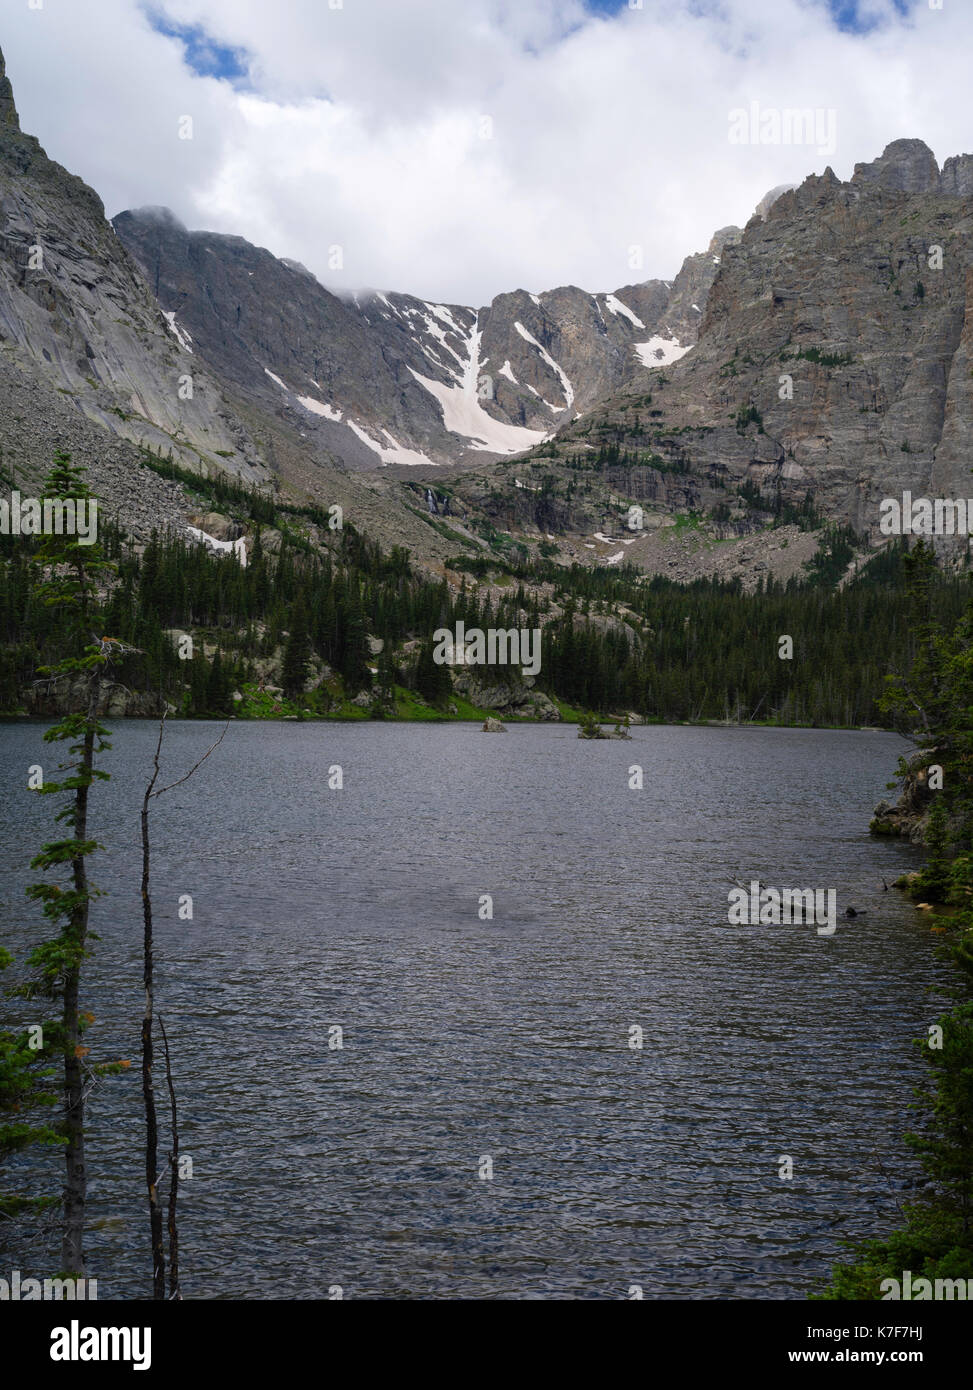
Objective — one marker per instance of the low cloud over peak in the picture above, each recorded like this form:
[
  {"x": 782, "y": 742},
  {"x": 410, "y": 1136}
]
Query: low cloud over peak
[{"x": 455, "y": 150}]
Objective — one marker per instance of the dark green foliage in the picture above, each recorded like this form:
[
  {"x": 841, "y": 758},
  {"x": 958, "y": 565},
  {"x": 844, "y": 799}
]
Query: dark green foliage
[
  {"x": 935, "y": 693},
  {"x": 785, "y": 512},
  {"x": 297, "y": 652},
  {"x": 65, "y": 579},
  {"x": 432, "y": 680},
  {"x": 931, "y": 699},
  {"x": 218, "y": 700},
  {"x": 838, "y": 549},
  {"x": 749, "y": 415},
  {"x": 27, "y": 1090},
  {"x": 589, "y": 725},
  {"x": 611, "y": 456},
  {"x": 823, "y": 359},
  {"x": 698, "y": 651}
]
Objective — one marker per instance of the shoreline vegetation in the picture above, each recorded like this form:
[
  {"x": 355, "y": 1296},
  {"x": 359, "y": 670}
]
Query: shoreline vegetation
[
  {"x": 930, "y": 1253},
  {"x": 325, "y": 623},
  {"x": 465, "y": 714}
]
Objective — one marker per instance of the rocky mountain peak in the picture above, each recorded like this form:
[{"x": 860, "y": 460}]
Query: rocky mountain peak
[
  {"x": 957, "y": 176},
  {"x": 770, "y": 198},
  {"x": 907, "y": 166},
  {"x": 726, "y": 236},
  {"x": 8, "y": 111},
  {"x": 155, "y": 213}
]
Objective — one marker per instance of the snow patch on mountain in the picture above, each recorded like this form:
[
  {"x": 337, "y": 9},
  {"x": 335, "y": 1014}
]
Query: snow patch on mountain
[
  {"x": 507, "y": 371},
  {"x": 464, "y": 415},
  {"x": 558, "y": 409},
  {"x": 613, "y": 540},
  {"x": 617, "y": 307},
  {"x": 660, "y": 352},
  {"x": 185, "y": 341},
  {"x": 436, "y": 331},
  {"x": 444, "y": 314},
  {"x": 319, "y": 408},
  {"x": 566, "y": 386},
  {"x": 392, "y": 453},
  {"x": 237, "y": 547},
  {"x": 280, "y": 383}
]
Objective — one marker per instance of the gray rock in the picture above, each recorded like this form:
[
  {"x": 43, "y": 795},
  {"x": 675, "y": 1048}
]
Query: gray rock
[
  {"x": 957, "y": 176},
  {"x": 250, "y": 315},
  {"x": 8, "y": 111},
  {"x": 769, "y": 199},
  {"x": 83, "y": 323},
  {"x": 907, "y": 166},
  {"x": 220, "y": 527},
  {"x": 839, "y": 272}
]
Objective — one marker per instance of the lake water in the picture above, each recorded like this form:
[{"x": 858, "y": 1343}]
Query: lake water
[{"x": 467, "y": 1040}]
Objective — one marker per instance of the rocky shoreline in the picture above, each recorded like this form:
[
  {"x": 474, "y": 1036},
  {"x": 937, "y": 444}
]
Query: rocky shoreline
[{"x": 908, "y": 817}]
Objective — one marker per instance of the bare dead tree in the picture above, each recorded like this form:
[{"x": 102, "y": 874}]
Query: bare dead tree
[
  {"x": 148, "y": 1093},
  {"x": 148, "y": 1058},
  {"x": 175, "y": 1292}
]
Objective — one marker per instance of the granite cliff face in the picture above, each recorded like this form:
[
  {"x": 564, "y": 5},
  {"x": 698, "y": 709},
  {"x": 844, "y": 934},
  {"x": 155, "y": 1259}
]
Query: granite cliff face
[
  {"x": 90, "y": 363},
  {"x": 77, "y": 318},
  {"x": 834, "y": 353}
]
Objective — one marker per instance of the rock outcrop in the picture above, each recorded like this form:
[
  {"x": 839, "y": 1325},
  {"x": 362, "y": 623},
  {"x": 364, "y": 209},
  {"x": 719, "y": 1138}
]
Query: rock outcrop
[
  {"x": 908, "y": 818},
  {"x": 8, "y": 111},
  {"x": 117, "y": 701},
  {"x": 486, "y": 691},
  {"x": 827, "y": 349}
]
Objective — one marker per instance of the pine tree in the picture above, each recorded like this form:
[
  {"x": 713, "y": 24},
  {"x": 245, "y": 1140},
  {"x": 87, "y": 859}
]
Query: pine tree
[
  {"x": 217, "y": 687},
  {"x": 67, "y": 576},
  {"x": 297, "y": 652},
  {"x": 432, "y": 680}
]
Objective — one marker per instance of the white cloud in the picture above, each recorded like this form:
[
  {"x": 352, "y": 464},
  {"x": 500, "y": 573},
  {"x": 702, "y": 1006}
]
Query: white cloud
[{"x": 363, "y": 127}]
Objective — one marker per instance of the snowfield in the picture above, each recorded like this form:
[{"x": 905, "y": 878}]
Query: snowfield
[
  {"x": 319, "y": 408},
  {"x": 659, "y": 352},
  {"x": 238, "y": 547},
  {"x": 464, "y": 415},
  {"x": 183, "y": 337},
  {"x": 617, "y": 307},
  {"x": 393, "y": 452}
]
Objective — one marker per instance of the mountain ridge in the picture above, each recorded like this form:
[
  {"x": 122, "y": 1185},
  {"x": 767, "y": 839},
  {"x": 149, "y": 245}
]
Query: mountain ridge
[
  {"x": 835, "y": 351},
  {"x": 415, "y": 382},
  {"x": 388, "y": 404}
]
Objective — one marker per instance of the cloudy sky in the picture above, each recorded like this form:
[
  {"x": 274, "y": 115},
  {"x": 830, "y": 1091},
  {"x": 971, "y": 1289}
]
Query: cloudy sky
[{"x": 459, "y": 148}]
